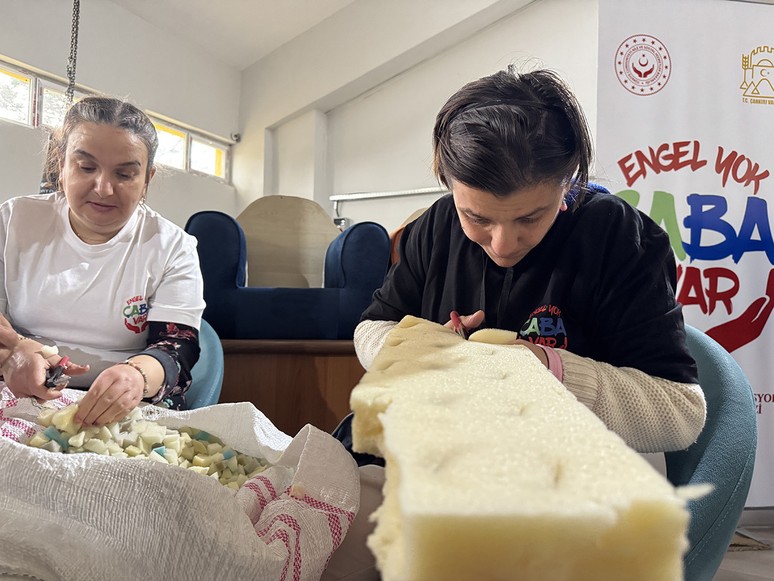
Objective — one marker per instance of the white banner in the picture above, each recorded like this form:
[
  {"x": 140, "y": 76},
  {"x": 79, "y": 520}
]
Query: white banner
[{"x": 686, "y": 134}]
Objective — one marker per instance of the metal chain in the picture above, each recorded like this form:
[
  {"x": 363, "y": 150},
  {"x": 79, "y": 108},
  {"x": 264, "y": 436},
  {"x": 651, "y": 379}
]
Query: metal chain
[{"x": 73, "y": 52}]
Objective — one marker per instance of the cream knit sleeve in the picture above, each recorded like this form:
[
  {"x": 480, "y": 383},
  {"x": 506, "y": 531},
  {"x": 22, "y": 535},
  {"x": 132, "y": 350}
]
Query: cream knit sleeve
[
  {"x": 369, "y": 338},
  {"x": 650, "y": 413}
]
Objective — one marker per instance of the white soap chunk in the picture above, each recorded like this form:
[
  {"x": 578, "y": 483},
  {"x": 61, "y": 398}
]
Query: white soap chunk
[
  {"x": 47, "y": 351},
  {"x": 495, "y": 471}
]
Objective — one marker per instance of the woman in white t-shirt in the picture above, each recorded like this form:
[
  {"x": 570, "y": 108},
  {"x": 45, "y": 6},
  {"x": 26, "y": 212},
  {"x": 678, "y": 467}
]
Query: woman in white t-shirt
[{"x": 92, "y": 269}]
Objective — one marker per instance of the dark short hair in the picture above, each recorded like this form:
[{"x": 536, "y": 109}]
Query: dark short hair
[
  {"x": 512, "y": 130},
  {"x": 100, "y": 110}
]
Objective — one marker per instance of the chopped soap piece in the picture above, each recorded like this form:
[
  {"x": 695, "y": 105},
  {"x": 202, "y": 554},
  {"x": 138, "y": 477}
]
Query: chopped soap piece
[
  {"x": 133, "y": 451},
  {"x": 104, "y": 434},
  {"x": 75, "y": 441},
  {"x": 47, "y": 351},
  {"x": 171, "y": 456},
  {"x": 156, "y": 457},
  {"x": 96, "y": 446},
  {"x": 51, "y": 446},
  {"x": 38, "y": 440},
  {"x": 53, "y": 434},
  {"x": 495, "y": 471},
  {"x": 64, "y": 420},
  {"x": 134, "y": 437},
  {"x": 45, "y": 415}
]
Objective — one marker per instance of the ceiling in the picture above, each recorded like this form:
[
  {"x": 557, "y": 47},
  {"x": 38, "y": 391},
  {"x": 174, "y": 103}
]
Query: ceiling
[
  {"x": 238, "y": 32},
  {"x": 241, "y": 32}
]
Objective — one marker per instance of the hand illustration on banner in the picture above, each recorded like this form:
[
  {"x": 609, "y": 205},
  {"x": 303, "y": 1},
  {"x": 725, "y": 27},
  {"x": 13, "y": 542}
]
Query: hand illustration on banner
[{"x": 749, "y": 325}]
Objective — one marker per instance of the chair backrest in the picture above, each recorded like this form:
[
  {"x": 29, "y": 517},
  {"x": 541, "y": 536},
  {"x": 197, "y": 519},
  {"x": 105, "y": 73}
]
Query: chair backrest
[
  {"x": 398, "y": 232},
  {"x": 356, "y": 262},
  {"x": 207, "y": 373},
  {"x": 358, "y": 257},
  {"x": 723, "y": 456},
  {"x": 286, "y": 237},
  {"x": 220, "y": 244}
]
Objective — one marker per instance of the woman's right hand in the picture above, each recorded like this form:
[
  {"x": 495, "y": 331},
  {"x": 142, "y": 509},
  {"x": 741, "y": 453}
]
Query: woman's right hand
[
  {"x": 469, "y": 322},
  {"x": 24, "y": 371}
]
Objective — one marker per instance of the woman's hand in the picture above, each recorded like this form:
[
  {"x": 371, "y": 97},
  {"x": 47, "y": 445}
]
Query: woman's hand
[
  {"x": 111, "y": 397},
  {"x": 119, "y": 389},
  {"x": 469, "y": 322},
  {"x": 536, "y": 349},
  {"x": 8, "y": 335},
  {"x": 24, "y": 370}
]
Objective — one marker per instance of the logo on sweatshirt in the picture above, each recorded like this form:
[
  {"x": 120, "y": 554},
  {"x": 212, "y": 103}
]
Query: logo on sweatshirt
[
  {"x": 136, "y": 314},
  {"x": 545, "y": 327}
]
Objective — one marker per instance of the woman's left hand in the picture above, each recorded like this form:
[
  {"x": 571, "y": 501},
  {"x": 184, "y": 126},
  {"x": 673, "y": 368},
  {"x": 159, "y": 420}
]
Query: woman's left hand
[
  {"x": 537, "y": 350},
  {"x": 111, "y": 397}
]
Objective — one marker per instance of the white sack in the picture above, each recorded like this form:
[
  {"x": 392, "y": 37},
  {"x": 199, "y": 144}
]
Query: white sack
[{"x": 86, "y": 516}]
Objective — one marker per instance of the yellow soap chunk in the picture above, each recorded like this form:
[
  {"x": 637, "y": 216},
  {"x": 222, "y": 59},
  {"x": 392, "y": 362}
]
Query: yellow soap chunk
[
  {"x": 64, "y": 420},
  {"x": 133, "y": 451},
  {"x": 38, "y": 440},
  {"x": 495, "y": 471},
  {"x": 45, "y": 415}
]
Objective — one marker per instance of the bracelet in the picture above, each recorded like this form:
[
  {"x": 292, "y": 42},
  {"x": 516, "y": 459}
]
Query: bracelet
[
  {"x": 555, "y": 364},
  {"x": 134, "y": 365}
]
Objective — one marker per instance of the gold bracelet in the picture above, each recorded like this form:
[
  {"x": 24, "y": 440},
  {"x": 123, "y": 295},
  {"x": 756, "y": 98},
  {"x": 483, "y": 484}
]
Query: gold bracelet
[{"x": 134, "y": 365}]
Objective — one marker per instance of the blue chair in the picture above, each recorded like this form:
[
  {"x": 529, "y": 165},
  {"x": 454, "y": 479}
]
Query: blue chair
[
  {"x": 355, "y": 266},
  {"x": 207, "y": 373},
  {"x": 724, "y": 456}
]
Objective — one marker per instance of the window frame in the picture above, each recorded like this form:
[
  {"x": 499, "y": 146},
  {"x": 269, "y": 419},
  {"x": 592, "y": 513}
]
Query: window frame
[
  {"x": 218, "y": 146},
  {"x": 39, "y": 81},
  {"x": 9, "y": 70}
]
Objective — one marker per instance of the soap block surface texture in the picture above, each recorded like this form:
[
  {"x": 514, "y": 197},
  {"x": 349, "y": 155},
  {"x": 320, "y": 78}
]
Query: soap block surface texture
[{"x": 494, "y": 471}]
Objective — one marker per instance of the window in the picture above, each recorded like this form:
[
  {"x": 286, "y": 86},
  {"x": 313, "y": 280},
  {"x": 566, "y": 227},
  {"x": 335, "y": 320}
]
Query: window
[
  {"x": 53, "y": 103},
  {"x": 15, "y": 102},
  {"x": 40, "y": 100},
  {"x": 206, "y": 157},
  {"x": 171, "y": 149}
]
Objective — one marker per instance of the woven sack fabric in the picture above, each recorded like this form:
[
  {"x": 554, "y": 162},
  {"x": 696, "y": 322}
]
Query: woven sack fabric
[{"x": 86, "y": 516}]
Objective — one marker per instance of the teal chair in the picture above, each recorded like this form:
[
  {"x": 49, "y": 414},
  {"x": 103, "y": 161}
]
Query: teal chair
[
  {"x": 723, "y": 456},
  {"x": 207, "y": 373}
]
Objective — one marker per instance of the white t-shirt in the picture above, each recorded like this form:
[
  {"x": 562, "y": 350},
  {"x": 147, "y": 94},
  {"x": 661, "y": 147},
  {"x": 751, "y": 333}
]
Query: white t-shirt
[{"x": 94, "y": 301}]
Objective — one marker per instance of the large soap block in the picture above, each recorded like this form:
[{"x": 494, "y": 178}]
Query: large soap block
[{"x": 495, "y": 471}]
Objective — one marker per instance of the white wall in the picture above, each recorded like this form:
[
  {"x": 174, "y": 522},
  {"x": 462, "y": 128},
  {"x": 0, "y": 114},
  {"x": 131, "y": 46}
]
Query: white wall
[
  {"x": 377, "y": 128},
  {"x": 122, "y": 55},
  {"x": 361, "y": 46},
  {"x": 125, "y": 56},
  {"x": 383, "y": 140},
  {"x": 300, "y": 147},
  {"x": 21, "y": 160}
]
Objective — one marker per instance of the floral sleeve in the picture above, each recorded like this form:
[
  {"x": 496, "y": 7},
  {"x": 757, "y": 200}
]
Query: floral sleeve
[{"x": 176, "y": 347}]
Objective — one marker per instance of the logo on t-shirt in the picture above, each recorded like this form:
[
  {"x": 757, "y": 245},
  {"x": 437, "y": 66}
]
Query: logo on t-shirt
[
  {"x": 136, "y": 314},
  {"x": 545, "y": 327}
]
